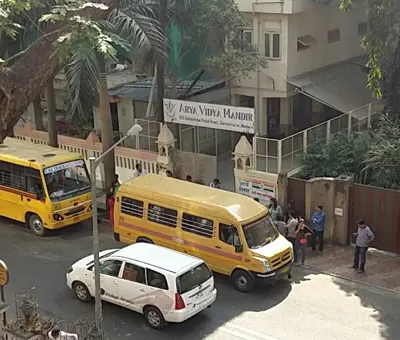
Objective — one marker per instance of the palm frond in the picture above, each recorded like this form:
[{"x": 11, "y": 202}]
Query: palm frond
[
  {"x": 82, "y": 78},
  {"x": 148, "y": 43}
]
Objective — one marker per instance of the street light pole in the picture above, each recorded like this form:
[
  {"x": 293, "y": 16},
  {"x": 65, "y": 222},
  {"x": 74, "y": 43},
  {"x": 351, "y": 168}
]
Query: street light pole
[{"x": 96, "y": 331}]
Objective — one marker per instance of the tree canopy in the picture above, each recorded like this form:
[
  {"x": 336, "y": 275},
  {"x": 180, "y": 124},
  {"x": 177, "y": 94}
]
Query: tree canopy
[
  {"x": 372, "y": 157},
  {"x": 66, "y": 29}
]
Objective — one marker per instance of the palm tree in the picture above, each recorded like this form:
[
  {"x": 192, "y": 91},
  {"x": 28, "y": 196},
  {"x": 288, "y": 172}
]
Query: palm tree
[{"x": 133, "y": 27}]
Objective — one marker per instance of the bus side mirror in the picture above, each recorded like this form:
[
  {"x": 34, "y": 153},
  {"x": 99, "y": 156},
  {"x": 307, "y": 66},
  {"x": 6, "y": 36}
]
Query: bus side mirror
[{"x": 238, "y": 248}]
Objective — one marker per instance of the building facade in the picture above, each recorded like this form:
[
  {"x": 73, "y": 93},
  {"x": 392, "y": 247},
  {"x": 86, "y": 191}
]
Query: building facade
[{"x": 309, "y": 44}]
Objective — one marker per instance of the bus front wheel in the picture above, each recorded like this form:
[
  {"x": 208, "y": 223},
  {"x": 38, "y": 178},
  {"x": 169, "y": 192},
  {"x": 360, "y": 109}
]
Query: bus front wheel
[
  {"x": 36, "y": 225},
  {"x": 242, "y": 281}
]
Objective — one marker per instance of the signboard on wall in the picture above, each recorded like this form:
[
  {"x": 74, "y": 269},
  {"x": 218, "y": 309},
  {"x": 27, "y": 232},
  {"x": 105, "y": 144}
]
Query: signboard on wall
[
  {"x": 257, "y": 189},
  {"x": 232, "y": 118}
]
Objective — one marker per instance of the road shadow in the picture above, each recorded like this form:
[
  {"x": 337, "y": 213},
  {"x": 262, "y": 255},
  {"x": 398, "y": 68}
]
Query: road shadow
[
  {"x": 385, "y": 305},
  {"x": 229, "y": 305}
]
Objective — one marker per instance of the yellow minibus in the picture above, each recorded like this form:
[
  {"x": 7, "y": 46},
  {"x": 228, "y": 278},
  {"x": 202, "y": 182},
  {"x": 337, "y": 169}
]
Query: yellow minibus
[
  {"x": 232, "y": 233},
  {"x": 44, "y": 187}
]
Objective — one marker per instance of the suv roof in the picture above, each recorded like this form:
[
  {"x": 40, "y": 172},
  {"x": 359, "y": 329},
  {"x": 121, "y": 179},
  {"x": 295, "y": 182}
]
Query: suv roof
[{"x": 156, "y": 256}]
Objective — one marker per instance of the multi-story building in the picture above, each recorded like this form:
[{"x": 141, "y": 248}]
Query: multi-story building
[{"x": 316, "y": 66}]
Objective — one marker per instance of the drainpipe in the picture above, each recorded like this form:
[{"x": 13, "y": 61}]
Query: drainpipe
[{"x": 259, "y": 103}]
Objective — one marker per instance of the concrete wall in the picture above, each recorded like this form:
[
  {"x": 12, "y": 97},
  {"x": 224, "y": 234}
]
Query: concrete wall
[
  {"x": 317, "y": 22},
  {"x": 334, "y": 195},
  {"x": 202, "y": 168}
]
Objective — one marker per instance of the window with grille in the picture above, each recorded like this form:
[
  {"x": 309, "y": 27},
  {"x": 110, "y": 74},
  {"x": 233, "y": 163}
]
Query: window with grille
[
  {"x": 272, "y": 45},
  {"x": 197, "y": 225},
  {"x": 12, "y": 176},
  {"x": 162, "y": 215},
  {"x": 132, "y": 207},
  {"x": 333, "y": 35}
]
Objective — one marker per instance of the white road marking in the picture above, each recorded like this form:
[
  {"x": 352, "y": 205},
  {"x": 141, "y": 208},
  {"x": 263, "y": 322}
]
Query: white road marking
[{"x": 244, "y": 333}]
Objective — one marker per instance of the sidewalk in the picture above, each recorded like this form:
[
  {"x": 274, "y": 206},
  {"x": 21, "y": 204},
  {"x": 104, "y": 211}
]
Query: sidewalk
[{"x": 380, "y": 271}]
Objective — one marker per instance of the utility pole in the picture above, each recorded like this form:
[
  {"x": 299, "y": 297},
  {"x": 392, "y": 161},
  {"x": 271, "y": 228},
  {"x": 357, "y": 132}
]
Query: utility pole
[{"x": 96, "y": 332}]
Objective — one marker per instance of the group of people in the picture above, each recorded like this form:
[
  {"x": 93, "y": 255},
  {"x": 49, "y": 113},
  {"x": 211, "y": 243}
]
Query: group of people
[{"x": 293, "y": 227}]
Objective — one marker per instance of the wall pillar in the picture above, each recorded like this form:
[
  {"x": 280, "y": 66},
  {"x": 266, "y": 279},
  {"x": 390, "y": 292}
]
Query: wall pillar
[
  {"x": 260, "y": 108},
  {"x": 286, "y": 114},
  {"x": 334, "y": 195},
  {"x": 165, "y": 142}
]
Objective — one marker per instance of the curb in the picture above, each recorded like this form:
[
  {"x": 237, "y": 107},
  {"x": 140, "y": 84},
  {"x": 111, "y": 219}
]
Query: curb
[{"x": 338, "y": 276}]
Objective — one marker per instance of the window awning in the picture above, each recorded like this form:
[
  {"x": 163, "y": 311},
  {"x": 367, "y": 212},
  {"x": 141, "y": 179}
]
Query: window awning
[{"x": 342, "y": 86}]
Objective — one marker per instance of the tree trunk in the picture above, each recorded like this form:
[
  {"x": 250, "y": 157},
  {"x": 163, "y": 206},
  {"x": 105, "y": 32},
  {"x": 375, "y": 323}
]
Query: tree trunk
[
  {"x": 38, "y": 114},
  {"x": 51, "y": 114},
  {"x": 33, "y": 69},
  {"x": 107, "y": 139},
  {"x": 163, "y": 7}
]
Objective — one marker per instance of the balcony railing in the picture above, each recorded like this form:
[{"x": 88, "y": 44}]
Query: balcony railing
[{"x": 276, "y": 156}]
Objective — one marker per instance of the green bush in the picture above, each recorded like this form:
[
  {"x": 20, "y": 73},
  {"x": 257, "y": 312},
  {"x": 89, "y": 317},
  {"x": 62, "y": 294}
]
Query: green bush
[{"x": 372, "y": 157}]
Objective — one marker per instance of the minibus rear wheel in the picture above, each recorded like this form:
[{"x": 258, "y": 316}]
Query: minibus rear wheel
[
  {"x": 36, "y": 225},
  {"x": 242, "y": 281},
  {"x": 141, "y": 239}
]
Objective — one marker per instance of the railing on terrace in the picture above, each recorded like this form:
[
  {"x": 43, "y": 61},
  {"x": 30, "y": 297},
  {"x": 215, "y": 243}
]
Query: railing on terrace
[
  {"x": 125, "y": 158},
  {"x": 276, "y": 156}
]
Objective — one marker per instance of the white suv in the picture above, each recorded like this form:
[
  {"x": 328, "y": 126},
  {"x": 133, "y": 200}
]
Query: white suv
[{"x": 164, "y": 285}]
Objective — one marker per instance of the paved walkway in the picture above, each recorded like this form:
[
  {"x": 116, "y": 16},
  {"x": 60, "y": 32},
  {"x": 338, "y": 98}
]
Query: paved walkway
[{"x": 381, "y": 270}]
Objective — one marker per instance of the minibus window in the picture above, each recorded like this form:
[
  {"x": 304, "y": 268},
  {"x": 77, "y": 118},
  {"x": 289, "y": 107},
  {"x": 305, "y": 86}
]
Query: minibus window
[
  {"x": 132, "y": 207},
  {"x": 197, "y": 225},
  {"x": 260, "y": 233},
  {"x": 229, "y": 234},
  {"x": 162, "y": 215}
]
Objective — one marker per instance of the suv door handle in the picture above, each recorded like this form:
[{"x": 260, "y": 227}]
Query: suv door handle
[{"x": 142, "y": 290}]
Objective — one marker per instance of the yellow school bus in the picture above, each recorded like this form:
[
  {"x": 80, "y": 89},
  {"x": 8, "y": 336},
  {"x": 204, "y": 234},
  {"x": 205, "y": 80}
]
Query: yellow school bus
[
  {"x": 232, "y": 233},
  {"x": 44, "y": 187}
]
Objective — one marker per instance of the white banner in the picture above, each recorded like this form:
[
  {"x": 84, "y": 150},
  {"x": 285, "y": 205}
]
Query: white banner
[{"x": 232, "y": 118}]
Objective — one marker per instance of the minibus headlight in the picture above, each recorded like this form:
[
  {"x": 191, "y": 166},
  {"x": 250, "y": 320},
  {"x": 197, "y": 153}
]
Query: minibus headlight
[
  {"x": 267, "y": 267},
  {"x": 57, "y": 217},
  {"x": 90, "y": 208}
]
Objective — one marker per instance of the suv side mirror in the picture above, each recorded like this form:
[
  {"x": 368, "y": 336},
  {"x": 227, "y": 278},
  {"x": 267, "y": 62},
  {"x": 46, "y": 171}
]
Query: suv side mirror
[{"x": 238, "y": 248}]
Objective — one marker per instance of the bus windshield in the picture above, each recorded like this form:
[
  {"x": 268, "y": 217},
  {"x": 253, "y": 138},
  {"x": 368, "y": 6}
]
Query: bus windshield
[
  {"x": 260, "y": 233},
  {"x": 67, "y": 180}
]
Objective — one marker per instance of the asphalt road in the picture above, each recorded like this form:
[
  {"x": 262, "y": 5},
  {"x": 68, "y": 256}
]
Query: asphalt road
[{"x": 311, "y": 306}]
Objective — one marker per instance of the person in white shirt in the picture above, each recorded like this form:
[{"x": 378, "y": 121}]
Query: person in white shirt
[
  {"x": 56, "y": 334},
  {"x": 215, "y": 183},
  {"x": 139, "y": 171}
]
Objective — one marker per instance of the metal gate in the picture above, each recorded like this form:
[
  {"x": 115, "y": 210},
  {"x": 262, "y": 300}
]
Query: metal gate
[{"x": 380, "y": 208}]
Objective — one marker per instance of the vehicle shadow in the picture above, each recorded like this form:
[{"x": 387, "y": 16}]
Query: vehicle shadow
[{"x": 229, "y": 305}]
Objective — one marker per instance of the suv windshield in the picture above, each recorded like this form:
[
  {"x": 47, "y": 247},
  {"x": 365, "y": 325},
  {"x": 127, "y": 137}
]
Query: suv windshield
[
  {"x": 67, "y": 180},
  {"x": 260, "y": 233},
  {"x": 193, "y": 278}
]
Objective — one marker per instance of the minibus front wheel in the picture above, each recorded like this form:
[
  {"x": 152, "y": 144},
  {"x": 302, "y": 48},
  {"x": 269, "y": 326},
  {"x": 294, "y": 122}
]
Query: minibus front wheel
[
  {"x": 242, "y": 281},
  {"x": 36, "y": 225}
]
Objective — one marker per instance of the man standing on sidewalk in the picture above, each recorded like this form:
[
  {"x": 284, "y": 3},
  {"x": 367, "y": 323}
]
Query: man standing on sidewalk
[
  {"x": 318, "y": 221},
  {"x": 364, "y": 237}
]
